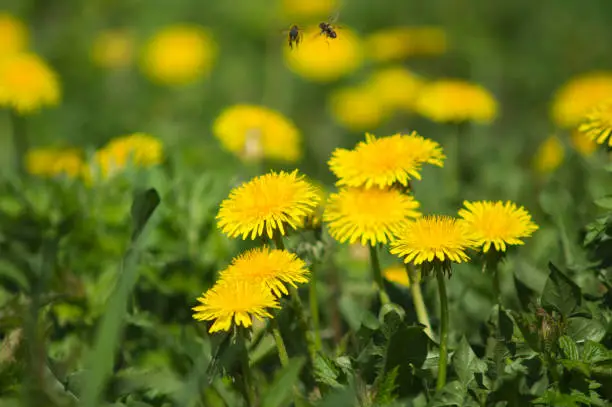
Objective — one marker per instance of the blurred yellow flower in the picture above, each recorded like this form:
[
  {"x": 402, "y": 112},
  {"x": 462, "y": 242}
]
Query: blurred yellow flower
[
  {"x": 356, "y": 108},
  {"x": 53, "y": 162},
  {"x": 368, "y": 216},
  {"x": 453, "y": 100},
  {"x": 396, "y": 88},
  {"x": 597, "y": 125},
  {"x": 13, "y": 35},
  {"x": 583, "y": 144},
  {"x": 253, "y": 132},
  {"x": 385, "y": 161},
  {"x": 433, "y": 239},
  {"x": 582, "y": 93},
  {"x": 138, "y": 149},
  {"x": 314, "y": 220},
  {"x": 270, "y": 202},
  {"x": 397, "y": 274},
  {"x": 321, "y": 60},
  {"x": 27, "y": 83},
  {"x": 307, "y": 9},
  {"x": 179, "y": 55},
  {"x": 497, "y": 224},
  {"x": 234, "y": 301},
  {"x": 113, "y": 49},
  {"x": 401, "y": 42},
  {"x": 549, "y": 155},
  {"x": 272, "y": 267}
]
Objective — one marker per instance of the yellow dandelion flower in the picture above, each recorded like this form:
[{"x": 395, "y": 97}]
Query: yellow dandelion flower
[
  {"x": 452, "y": 100},
  {"x": 396, "y": 87},
  {"x": 397, "y": 274},
  {"x": 433, "y": 238},
  {"x": 597, "y": 125},
  {"x": 307, "y": 9},
  {"x": 549, "y": 155},
  {"x": 253, "y": 132},
  {"x": 368, "y": 216},
  {"x": 397, "y": 43},
  {"x": 584, "y": 145},
  {"x": 113, "y": 49},
  {"x": 27, "y": 83},
  {"x": 356, "y": 108},
  {"x": 385, "y": 161},
  {"x": 273, "y": 268},
  {"x": 51, "y": 162},
  {"x": 13, "y": 35},
  {"x": 497, "y": 224},
  {"x": 138, "y": 149},
  {"x": 321, "y": 60},
  {"x": 179, "y": 55},
  {"x": 236, "y": 301},
  {"x": 267, "y": 203},
  {"x": 575, "y": 98},
  {"x": 314, "y": 220}
]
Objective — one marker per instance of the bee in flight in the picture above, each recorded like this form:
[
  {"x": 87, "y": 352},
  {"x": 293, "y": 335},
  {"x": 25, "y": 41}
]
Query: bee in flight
[
  {"x": 327, "y": 29},
  {"x": 294, "y": 36}
]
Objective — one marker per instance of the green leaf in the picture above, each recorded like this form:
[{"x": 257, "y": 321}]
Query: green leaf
[
  {"x": 391, "y": 317},
  {"x": 576, "y": 365},
  {"x": 280, "y": 391},
  {"x": 453, "y": 394},
  {"x": 386, "y": 388},
  {"x": 594, "y": 352},
  {"x": 560, "y": 292},
  {"x": 569, "y": 348},
  {"x": 408, "y": 346},
  {"x": 525, "y": 294},
  {"x": 583, "y": 329},
  {"x": 604, "y": 202},
  {"x": 143, "y": 207},
  {"x": 325, "y": 371},
  {"x": 466, "y": 363}
]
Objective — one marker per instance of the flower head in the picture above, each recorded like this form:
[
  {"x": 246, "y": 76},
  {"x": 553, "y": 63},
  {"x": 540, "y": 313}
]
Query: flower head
[
  {"x": 598, "y": 124},
  {"x": 307, "y": 9},
  {"x": 138, "y": 149},
  {"x": 322, "y": 60},
  {"x": 397, "y": 43},
  {"x": 235, "y": 301},
  {"x": 267, "y": 203},
  {"x": 253, "y": 132},
  {"x": 52, "y": 162},
  {"x": 385, "y": 161},
  {"x": 179, "y": 55},
  {"x": 27, "y": 83},
  {"x": 13, "y": 35},
  {"x": 549, "y": 155},
  {"x": 368, "y": 216},
  {"x": 584, "y": 145},
  {"x": 396, "y": 87},
  {"x": 451, "y": 100},
  {"x": 356, "y": 108},
  {"x": 273, "y": 268},
  {"x": 497, "y": 224},
  {"x": 574, "y": 99},
  {"x": 433, "y": 239},
  {"x": 113, "y": 49},
  {"x": 397, "y": 274}
]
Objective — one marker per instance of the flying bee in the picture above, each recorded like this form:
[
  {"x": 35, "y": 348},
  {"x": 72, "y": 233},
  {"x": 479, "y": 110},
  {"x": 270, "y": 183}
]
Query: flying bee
[
  {"x": 294, "y": 36},
  {"x": 328, "y": 29}
]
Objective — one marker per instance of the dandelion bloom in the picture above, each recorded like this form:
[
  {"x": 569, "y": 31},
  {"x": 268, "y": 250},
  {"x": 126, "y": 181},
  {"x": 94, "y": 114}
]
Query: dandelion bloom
[
  {"x": 52, "y": 162},
  {"x": 253, "y": 132},
  {"x": 397, "y": 274},
  {"x": 113, "y": 49},
  {"x": 356, "y": 108},
  {"x": 368, "y": 216},
  {"x": 179, "y": 55},
  {"x": 584, "y": 145},
  {"x": 385, "y": 161},
  {"x": 397, "y": 43},
  {"x": 497, "y": 224},
  {"x": 324, "y": 60},
  {"x": 598, "y": 123},
  {"x": 27, "y": 83},
  {"x": 267, "y": 203},
  {"x": 456, "y": 101},
  {"x": 433, "y": 238},
  {"x": 235, "y": 301},
  {"x": 582, "y": 93},
  {"x": 13, "y": 35},
  {"x": 396, "y": 87},
  {"x": 138, "y": 149},
  {"x": 549, "y": 155},
  {"x": 271, "y": 267},
  {"x": 307, "y": 9}
]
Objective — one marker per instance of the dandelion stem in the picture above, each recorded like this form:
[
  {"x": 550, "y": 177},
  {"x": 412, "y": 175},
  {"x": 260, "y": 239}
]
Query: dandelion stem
[
  {"x": 20, "y": 139},
  {"x": 417, "y": 299},
  {"x": 314, "y": 308},
  {"x": 377, "y": 275},
  {"x": 280, "y": 344},
  {"x": 249, "y": 391},
  {"x": 443, "y": 329}
]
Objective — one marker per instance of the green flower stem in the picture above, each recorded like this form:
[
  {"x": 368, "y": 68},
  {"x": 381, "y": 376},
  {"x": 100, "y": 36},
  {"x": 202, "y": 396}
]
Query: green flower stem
[
  {"x": 314, "y": 308},
  {"x": 443, "y": 329},
  {"x": 280, "y": 344},
  {"x": 20, "y": 139},
  {"x": 376, "y": 273},
  {"x": 247, "y": 376},
  {"x": 417, "y": 300}
]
